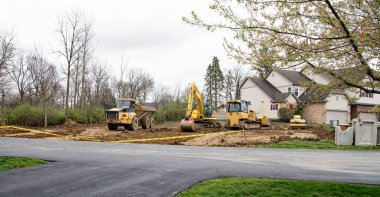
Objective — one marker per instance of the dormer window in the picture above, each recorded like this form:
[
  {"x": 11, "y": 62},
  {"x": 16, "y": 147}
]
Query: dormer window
[{"x": 289, "y": 89}]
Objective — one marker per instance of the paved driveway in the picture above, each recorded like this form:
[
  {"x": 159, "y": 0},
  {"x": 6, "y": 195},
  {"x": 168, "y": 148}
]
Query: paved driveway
[{"x": 112, "y": 169}]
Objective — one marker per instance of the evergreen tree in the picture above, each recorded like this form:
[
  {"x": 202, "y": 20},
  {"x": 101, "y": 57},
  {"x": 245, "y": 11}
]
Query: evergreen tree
[
  {"x": 214, "y": 83},
  {"x": 208, "y": 85}
]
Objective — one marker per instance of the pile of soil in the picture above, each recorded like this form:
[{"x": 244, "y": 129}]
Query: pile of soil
[{"x": 251, "y": 137}]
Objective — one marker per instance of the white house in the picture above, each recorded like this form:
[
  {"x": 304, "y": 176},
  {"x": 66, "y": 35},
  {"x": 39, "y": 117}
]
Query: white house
[
  {"x": 285, "y": 88},
  {"x": 359, "y": 101},
  {"x": 257, "y": 90},
  {"x": 288, "y": 81}
]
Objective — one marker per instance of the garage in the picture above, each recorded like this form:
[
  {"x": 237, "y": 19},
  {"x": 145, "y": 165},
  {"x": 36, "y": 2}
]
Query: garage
[{"x": 339, "y": 117}]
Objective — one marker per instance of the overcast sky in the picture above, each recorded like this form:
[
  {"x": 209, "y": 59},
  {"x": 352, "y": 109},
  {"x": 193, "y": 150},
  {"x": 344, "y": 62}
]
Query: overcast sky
[{"x": 149, "y": 34}]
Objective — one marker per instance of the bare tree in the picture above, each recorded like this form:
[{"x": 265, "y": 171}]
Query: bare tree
[
  {"x": 45, "y": 78},
  {"x": 99, "y": 76},
  {"x": 71, "y": 32},
  {"x": 86, "y": 55},
  {"x": 133, "y": 83},
  {"x": 7, "y": 52},
  {"x": 19, "y": 72}
]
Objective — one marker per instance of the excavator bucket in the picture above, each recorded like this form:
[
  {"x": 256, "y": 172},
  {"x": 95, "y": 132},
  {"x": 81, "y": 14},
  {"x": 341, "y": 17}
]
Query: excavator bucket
[{"x": 188, "y": 125}]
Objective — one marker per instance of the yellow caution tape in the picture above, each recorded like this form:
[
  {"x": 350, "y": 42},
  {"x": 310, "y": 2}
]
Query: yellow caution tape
[
  {"x": 25, "y": 129},
  {"x": 177, "y": 137}
]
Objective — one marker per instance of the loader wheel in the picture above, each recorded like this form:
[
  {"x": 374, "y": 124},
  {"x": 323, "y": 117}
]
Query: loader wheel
[
  {"x": 145, "y": 123},
  {"x": 151, "y": 122},
  {"x": 135, "y": 124},
  {"x": 112, "y": 127}
]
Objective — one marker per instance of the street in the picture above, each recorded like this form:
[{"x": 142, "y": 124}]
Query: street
[{"x": 115, "y": 169}]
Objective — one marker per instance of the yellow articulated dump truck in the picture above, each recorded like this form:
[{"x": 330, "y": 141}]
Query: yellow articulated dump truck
[
  {"x": 130, "y": 114},
  {"x": 240, "y": 117}
]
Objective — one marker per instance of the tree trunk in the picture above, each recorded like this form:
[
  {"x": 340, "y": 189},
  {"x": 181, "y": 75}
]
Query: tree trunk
[
  {"x": 67, "y": 92},
  {"x": 45, "y": 114},
  {"x": 2, "y": 108}
]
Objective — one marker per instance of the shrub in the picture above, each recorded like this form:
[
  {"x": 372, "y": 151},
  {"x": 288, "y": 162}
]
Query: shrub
[
  {"x": 298, "y": 110},
  {"x": 88, "y": 115},
  {"x": 28, "y": 115},
  {"x": 285, "y": 113},
  {"x": 170, "y": 112}
]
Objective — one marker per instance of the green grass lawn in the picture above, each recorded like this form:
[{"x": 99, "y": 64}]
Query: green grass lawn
[
  {"x": 321, "y": 144},
  {"x": 8, "y": 163},
  {"x": 232, "y": 187}
]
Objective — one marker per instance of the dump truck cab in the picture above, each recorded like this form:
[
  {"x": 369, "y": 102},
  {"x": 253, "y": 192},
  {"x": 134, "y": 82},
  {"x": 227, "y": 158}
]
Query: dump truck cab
[{"x": 129, "y": 114}]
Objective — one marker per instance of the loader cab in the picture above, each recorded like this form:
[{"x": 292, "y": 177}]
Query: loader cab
[
  {"x": 126, "y": 105},
  {"x": 238, "y": 106}
]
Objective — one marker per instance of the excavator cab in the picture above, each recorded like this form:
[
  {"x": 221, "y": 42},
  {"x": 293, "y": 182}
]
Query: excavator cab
[{"x": 209, "y": 110}]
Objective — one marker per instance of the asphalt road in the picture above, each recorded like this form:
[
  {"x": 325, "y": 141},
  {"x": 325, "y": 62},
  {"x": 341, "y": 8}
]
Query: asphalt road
[{"x": 112, "y": 169}]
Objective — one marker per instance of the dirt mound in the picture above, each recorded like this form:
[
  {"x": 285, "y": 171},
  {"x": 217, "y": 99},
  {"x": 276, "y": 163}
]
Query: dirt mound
[
  {"x": 257, "y": 137},
  {"x": 70, "y": 123}
]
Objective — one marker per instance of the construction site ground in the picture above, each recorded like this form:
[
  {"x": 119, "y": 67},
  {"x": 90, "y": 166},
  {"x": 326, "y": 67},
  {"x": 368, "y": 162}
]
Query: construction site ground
[{"x": 170, "y": 133}]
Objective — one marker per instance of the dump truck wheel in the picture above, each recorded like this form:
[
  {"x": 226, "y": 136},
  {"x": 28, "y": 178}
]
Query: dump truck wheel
[
  {"x": 135, "y": 124},
  {"x": 112, "y": 127},
  {"x": 145, "y": 123},
  {"x": 151, "y": 122}
]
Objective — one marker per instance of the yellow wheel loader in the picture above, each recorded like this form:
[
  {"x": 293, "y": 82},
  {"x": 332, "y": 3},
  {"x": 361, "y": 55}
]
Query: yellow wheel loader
[
  {"x": 198, "y": 115},
  {"x": 240, "y": 117},
  {"x": 130, "y": 115}
]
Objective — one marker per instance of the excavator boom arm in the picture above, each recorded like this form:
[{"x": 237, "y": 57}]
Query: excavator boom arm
[{"x": 194, "y": 94}]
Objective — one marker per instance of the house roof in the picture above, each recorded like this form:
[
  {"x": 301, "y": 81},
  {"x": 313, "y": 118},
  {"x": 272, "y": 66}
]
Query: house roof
[
  {"x": 269, "y": 89},
  {"x": 351, "y": 74},
  {"x": 313, "y": 95},
  {"x": 297, "y": 78}
]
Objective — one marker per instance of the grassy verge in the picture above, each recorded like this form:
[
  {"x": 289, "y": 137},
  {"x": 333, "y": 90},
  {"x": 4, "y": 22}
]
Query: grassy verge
[
  {"x": 8, "y": 163},
  {"x": 321, "y": 144},
  {"x": 267, "y": 187}
]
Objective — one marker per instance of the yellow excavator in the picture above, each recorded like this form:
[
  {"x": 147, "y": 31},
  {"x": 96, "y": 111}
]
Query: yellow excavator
[
  {"x": 240, "y": 117},
  {"x": 198, "y": 114}
]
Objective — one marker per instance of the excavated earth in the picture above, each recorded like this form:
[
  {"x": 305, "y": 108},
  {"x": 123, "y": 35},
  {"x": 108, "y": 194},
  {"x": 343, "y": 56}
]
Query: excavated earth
[{"x": 74, "y": 131}]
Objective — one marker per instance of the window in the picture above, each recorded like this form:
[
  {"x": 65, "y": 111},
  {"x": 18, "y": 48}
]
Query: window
[
  {"x": 244, "y": 106},
  {"x": 233, "y": 107},
  {"x": 364, "y": 94},
  {"x": 289, "y": 89},
  {"x": 296, "y": 91},
  {"x": 273, "y": 107}
]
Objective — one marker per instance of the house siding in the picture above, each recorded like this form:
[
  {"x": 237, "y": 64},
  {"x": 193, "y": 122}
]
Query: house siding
[
  {"x": 278, "y": 81},
  {"x": 364, "y": 100},
  {"x": 251, "y": 92},
  {"x": 282, "y": 84},
  {"x": 317, "y": 78},
  {"x": 357, "y": 108},
  {"x": 337, "y": 102}
]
